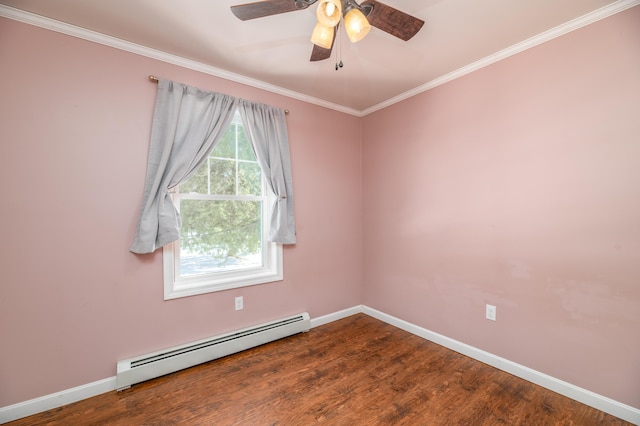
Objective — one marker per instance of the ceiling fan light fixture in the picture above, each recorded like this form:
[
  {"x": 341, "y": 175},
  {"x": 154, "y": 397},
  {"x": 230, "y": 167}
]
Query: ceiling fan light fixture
[
  {"x": 329, "y": 12},
  {"x": 356, "y": 25},
  {"x": 322, "y": 36}
]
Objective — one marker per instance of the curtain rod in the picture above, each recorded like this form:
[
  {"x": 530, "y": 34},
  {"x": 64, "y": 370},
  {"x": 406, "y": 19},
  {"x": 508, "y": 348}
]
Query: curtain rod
[{"x": 154, "y": 79}]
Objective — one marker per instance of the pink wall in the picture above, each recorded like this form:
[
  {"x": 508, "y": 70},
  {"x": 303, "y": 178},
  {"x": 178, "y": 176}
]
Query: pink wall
[
  {"x": 518, "y": 186},
  {"x": 75, "y": 122}
]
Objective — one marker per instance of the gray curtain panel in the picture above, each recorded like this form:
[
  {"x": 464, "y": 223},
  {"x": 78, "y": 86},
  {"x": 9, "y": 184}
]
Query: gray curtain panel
[
  {"x": 266, "y": 129},
  {"x": 187, "y": 123}
]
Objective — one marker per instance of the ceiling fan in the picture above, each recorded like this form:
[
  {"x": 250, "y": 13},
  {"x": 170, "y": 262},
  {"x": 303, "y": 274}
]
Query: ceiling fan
[{"x": 357, "y": 19}]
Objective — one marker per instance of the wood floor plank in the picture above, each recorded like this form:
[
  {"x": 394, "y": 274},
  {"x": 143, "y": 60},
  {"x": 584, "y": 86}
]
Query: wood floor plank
[{"x": 355, "y": 371}]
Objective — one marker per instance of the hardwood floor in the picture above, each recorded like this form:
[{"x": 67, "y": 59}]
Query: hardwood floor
[{"x": 355, "y": 371}]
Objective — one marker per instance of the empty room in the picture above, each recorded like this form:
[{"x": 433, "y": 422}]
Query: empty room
[{"x": 331, "y": 212}]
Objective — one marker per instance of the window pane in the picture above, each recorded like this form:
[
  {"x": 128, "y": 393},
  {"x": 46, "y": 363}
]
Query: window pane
[
  {"x": 249, "y": 179},
  {"x": 220, "y": 236},
  {"x": 223, "y": 176}
]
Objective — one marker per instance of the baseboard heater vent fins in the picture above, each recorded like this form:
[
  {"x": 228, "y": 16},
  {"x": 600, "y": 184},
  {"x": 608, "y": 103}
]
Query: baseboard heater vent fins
[{"x": 156, "y": 364}]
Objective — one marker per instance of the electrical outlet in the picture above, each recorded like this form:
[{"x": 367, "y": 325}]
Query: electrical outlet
[
  {"x": 239, "y": 303},
  {"x": 491, "y": 312}
]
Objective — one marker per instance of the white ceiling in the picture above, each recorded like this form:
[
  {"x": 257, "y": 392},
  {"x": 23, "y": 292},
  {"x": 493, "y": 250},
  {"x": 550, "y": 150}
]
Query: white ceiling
[{"x": 276, "y": 49}]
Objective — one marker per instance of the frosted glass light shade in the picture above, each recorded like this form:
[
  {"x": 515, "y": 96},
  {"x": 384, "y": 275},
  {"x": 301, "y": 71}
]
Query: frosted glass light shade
[
  {"x": 329, "y": 12},
  {"x": 322, "y": 36},
  {"x": 356, "y": 25}
]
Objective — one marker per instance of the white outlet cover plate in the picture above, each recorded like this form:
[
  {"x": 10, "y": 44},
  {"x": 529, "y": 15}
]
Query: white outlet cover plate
[{"x": 491, "y": 312}]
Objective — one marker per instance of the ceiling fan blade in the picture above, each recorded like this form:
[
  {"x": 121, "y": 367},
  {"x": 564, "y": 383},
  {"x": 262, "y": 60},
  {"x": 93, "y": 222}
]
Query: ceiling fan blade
[
  {"x": 264, "y": 8},
  {"x": 320, "y": 53},
  {"x": 393, "y": 21}
]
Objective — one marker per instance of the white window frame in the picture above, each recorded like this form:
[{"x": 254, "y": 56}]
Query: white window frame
[{"x": 271, "y": 271}]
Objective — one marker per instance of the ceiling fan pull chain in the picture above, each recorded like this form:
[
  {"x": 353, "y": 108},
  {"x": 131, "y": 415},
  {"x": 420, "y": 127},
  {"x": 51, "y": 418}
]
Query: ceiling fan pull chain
[
  {"x": 338, "y": 38},
  {"x": 339, "y": 52}
]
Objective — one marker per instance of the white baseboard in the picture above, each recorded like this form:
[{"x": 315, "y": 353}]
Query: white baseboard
[
  {"x": 58, "y": 399},
  {"x": 55, "y": 400},
  {"x": 584, "y": 396},
  {"x": 625, "y": 412},
  {"x": 326, "y": 319}
]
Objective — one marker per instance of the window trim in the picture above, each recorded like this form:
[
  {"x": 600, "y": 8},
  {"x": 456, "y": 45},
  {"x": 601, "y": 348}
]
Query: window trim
[{"x": 271, "y": 271}]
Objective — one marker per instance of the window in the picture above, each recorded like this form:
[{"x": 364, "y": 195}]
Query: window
[{"x": 224, "y": 208}]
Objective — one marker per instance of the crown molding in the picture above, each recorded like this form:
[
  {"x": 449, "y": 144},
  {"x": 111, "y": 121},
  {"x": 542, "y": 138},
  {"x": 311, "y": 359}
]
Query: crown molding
[
  {"x": 589, "y": 18},
  {"x": 106, "y": 40},
  {"x": 82, "y": 33}
]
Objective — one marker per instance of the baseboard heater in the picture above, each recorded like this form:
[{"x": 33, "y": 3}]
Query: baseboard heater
[{"x": 156, "y": 364}]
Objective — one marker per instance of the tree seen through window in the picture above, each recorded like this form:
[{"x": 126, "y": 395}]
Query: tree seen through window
[{"x": 221, "y": 206}]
